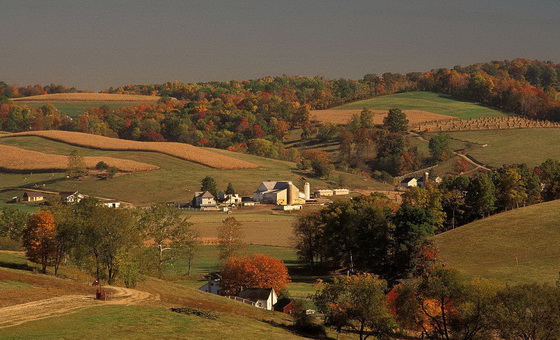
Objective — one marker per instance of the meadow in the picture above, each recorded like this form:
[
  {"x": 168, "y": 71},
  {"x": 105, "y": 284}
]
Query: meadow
[
  {"x": 499, "y": 147},
  {"x": 176, "y": 181},
  {"x": 425, "y": 101},
  {"x": 518, "y": 246},
  {"x": 341, "y": 116}
]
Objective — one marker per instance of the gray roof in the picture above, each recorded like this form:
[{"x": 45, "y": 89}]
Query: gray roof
[
  {"x": 33, "y": 194},
  {"x": 255, "y": 294},
  {"x": 203, "y": 194}
]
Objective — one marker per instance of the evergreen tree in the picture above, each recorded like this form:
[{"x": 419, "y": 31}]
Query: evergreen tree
[{"x": 209, "y": 184}]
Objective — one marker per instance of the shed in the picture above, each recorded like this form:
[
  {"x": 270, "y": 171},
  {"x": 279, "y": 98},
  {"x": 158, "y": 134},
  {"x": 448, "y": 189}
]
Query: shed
[
  {"x": 31, "y": 196},
  {"x": 284, "y": 305}
]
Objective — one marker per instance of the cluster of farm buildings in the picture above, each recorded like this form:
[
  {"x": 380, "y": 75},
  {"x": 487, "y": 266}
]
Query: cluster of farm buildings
[
  {"x": 65, "y": 197},
  {"x": 283, "y": 194}
]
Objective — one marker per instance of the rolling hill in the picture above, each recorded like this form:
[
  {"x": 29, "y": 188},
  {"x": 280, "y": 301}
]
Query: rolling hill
[
  {"x": 176, "y": 180},
  {"x": 518, "y": 246},
  {"x": 75, "y": 104}
]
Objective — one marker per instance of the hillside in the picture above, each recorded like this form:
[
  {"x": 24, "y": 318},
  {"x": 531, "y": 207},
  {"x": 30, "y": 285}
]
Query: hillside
[
  {"x": 517, "y": 246},
  {"x": 176, "y": 180},
  {"x": 499, "y": 147},
  {"x": 425, "y": 101},
  {"x": 71, "y": 313},
  {"x": 87, "y": 97}
]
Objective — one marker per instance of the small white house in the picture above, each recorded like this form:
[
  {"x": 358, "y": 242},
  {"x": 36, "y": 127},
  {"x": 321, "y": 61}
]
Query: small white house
[
  {"x": 111, "y": 204},
  {"x": 31, "y": 196},
  {"x": 264, "y": 298},
  {"x": 409, "y": 182},
  {"x": 213, "y": 285},
  {"x": 70, "y": 197},
  {"x": 204, "y": 200}
]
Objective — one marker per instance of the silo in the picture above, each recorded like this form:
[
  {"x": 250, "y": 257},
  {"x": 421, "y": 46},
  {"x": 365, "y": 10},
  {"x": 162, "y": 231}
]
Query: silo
[
  {"x": 307, "y": 190},
  {"x": 290, "y": 193}
]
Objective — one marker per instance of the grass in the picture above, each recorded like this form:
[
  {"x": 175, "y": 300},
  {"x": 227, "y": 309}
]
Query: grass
[
  {"x": 260, "y": 226},
  {"x": 518, "y": 246},
  {"x": 530, "y": 146},
  {"x": 176, "y": 181},
  {"x": 75, "y": 108},
  {"x": 425, "y": 101}
]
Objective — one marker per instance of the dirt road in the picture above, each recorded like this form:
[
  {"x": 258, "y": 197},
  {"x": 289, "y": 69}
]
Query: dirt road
[{"x": 61, "y": 305}]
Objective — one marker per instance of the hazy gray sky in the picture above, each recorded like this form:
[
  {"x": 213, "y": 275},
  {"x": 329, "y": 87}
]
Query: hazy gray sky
[{"x": 96, "y": 44}]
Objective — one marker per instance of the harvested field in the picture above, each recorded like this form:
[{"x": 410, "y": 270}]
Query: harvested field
[
  {"x": 183, "y": 151},
  {"x": 343, "y": 116},
  {"x": 87, "y": 97},
  {"x": 485, "y": 123},
  {"x": 17, "y": 159}
]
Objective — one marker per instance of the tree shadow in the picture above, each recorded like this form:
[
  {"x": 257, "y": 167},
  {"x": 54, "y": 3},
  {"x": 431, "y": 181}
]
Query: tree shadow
[{"x": 18, "y": 266}]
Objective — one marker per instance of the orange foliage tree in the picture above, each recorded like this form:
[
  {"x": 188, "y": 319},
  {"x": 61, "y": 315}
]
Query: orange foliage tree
[
  {"x": 256, "y": 271},
  {"x": 39, "y": 239}
]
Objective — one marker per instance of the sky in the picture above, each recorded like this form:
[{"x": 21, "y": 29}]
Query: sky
[{"x": 96, "y": 44}]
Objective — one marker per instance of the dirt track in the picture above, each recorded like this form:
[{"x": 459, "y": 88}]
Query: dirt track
[{"x": 61, "y": 305}]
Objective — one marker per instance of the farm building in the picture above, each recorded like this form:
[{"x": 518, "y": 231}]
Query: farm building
[
  {"x": 323, "y": 193},
  {"x": 284, "y": 305},
  {"x": 422, "y": 181},
  {"x": 111, "y": 203},
  {"x": 264, "y": 298},
  {"x": 71, "y": 197},
  {"x": 338, "y": 192},
  {"x": 229, "y": 199},
  {"x": 213, "y": 285},
  {"x": 279, "y": 193},
  {"x": 409, "y": 182},
  {"x": 204, "y": 200},
  {"x": 248, "y": 202},
  {"x": 30, "y": 196}
]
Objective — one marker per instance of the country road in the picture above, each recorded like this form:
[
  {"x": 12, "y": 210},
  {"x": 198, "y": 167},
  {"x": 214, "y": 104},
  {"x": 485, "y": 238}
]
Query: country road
[{"x": 18, "y": 314}]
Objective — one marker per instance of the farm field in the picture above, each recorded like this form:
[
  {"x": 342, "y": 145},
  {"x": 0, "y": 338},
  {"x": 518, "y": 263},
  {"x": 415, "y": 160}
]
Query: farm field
[
  {"x": 75, "y": 104},
  {"x": 343, "y": 116},
  {"x": 530, "y": 146},
  {"x": 180, "y": 150},
  {"x": 176, "y": 180},
  {"x": 518, "y": 246},
  {"x": 425, "y": 101}
]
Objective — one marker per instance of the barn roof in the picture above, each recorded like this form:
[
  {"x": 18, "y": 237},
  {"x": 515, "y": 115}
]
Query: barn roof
[
  {"x": 283, "y": 302},
  {"x": 33, "y": 194}
]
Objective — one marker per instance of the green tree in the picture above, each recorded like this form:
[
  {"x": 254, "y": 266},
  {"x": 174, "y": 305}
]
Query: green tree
[
  {"x": 439, "y": 147},
  {"x": 321, "y": 168},
  {"x": 366, "y": 118},
  {"x": 230, "y": 190},
  {"x": 308, "y": 233},
  {"x": 209, "y": 184},
  {"x": 481, "y": 196},
  {"x": 396, "y": 121},
  {"x": 76, "y": 165},
  {"x": 357, "y": 302},
  {"x": 170, "y": 234},
  {"x": 230, "y": 239},
  {"x": 12, "y": 222},
  {"x": 527, "y": 312},
  {"x": 413, "y": 227}
]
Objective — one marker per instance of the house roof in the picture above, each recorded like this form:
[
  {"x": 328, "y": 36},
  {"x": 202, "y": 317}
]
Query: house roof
[
  {"x": 255, "y": 294},
  {"x": 65, "y": 194},
  {"x": 408, "y": 179},
  {"x": 203, "y": 194},
  {"x": 33, "y": 194},
  {"x": 283, "y": 302}
]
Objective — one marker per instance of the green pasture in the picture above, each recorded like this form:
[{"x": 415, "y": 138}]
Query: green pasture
[
  {"x": 499, "y": 147},
  {"x": 75, "y": 108},
  {"x": 425, "y": 101},
  {"x": 518, "y": 246}
]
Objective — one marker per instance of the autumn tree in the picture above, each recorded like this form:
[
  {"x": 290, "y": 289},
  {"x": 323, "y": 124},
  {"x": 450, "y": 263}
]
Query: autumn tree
[
  {"x": 209, "y": 184},
  {"x": 230, "y": 239},
  {"x": 76, "y": 165},
  {"x": 357, "y": 302},
  {"x": 170, "y": 234},
  {"x": 256, "y": 271},
  {"x": 39, "y": 239}
]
